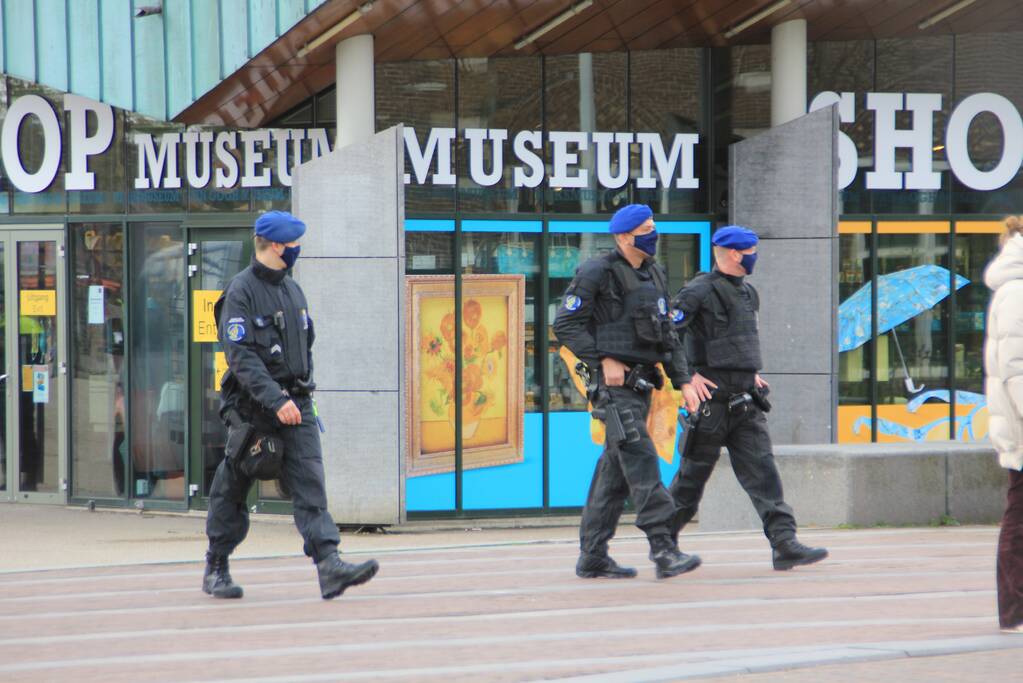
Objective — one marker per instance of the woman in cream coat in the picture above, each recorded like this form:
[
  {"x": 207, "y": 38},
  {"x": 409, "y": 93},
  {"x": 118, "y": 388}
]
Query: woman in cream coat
[{"x": 1003, "y": 360}]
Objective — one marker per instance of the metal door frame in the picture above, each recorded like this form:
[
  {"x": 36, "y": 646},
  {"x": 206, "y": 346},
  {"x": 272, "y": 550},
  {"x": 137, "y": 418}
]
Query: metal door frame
[{"x": 11, "y": 236}]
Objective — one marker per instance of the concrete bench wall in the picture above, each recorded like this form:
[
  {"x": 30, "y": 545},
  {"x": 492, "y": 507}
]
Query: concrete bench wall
[{"x": 869, "y": 484}]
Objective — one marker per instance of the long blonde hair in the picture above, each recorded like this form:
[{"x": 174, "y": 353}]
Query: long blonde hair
[{"x": 1013, "y": 227}]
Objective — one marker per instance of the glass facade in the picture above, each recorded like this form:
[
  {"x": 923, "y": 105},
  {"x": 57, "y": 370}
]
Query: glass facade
[{"x": 134, "y": 368}]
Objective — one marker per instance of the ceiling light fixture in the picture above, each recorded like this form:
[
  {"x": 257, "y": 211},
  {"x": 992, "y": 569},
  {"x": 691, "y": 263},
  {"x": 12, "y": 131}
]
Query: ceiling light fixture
[
  {"x": 335, "y": 29},
  {"x": 745, "y": 24},
  {"x": 945, "y": 13},
  {"x": 554, "y": 23}
]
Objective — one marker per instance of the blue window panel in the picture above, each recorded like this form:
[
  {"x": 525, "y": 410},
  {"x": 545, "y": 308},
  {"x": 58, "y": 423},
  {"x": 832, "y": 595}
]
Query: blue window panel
[
  {"x": 116, "y": 60},
  {"x": 427, "y": 225},
  {"x": 502, "y": 226},
  {"x": 53, "y": 38},
  {"x": 577, "y": 226},
  {"x": 310, "y": 5},
  {"x": 83, "y": 44},
  {"x": 262, "y": 24},
  {"x": 206, "y": 51},
  {"x": 701, "y": 228},
  {"x": 519, "y": 485},
  {"x": 178, "y": 18},
  {"x": 234, "y": 35},
  {"x": 150, "y": 96},
  {"x": 573, "y": 457},
  {"x": 19, "y": 23},
  {"x": 430, "y": 493},
  {"x": 289, "y": 13}
]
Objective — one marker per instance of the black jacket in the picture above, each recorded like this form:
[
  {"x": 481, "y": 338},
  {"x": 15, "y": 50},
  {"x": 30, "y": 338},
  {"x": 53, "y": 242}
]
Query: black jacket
[
  {"x": 701, "y": 316},
  {"x": 264, "y": 326},
  {"x": 598, "y": 300}
]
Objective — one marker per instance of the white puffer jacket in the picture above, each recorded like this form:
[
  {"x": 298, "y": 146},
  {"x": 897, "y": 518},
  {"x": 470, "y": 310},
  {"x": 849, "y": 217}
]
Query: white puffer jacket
[{"x": 1003, "y": 353}]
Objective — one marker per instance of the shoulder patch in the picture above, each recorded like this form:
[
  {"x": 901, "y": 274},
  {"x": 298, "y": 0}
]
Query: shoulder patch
[
  {"x": 677, "y": 315},
  {"x": 235, "y": 332},
  {"x": 572, "y": 302}
]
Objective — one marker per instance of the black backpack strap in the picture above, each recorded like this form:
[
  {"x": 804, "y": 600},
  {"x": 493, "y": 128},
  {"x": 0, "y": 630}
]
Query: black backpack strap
[{"x": 625, "y": 275}]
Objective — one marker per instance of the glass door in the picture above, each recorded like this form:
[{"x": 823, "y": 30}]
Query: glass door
[
  {"x": 214, "y": 257},
  {"x": 35, "y": 370}
]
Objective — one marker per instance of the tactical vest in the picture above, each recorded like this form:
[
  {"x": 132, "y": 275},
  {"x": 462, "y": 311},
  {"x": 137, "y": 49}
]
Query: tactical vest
[
  {"x": 734, "y": 343},
  {"x": 640, "y": 334}
]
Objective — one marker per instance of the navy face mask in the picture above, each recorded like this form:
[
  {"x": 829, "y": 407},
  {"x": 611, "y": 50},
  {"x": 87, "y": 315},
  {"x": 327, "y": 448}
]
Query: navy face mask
[
  {"x": 290, "y": 255},
  {"x": 646, "y": 243},
  {"x": 748, "y": 261}
]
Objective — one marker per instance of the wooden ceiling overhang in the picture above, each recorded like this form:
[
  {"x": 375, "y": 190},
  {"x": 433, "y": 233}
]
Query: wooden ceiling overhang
[{"x": 277, "y": 79}]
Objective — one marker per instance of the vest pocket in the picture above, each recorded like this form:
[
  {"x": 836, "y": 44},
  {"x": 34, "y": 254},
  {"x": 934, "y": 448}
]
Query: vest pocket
[{"x": 647, "y": 326}]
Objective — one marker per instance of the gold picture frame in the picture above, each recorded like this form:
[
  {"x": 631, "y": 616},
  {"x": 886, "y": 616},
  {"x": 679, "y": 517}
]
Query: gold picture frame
[{"x": 493, "y": 404}]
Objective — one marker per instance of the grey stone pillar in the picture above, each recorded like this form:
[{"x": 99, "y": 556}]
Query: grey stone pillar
[
  {"x": 354, "y": 91},
  {"x": 353, "y": 270},
  {"x": 784, "y": 185}
]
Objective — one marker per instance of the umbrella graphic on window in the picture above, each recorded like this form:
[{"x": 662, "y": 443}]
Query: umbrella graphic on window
[{"x": 901, "y": 296}]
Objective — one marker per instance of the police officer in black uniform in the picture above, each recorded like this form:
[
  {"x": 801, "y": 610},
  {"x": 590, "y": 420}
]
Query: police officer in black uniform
[
  {"x": 717, "y": 316},
  {"x": 267, "y": 335},
  {"x": 614, "y": 318}
]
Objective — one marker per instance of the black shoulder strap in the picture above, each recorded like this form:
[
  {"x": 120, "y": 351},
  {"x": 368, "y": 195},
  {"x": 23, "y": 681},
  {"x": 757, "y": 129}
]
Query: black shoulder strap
[
  {"x": 725, "y": 292},
  {"x": 754, "y": 296},
  {"x": 660, "y": 278},
  {"x": 625, "y": 275}
]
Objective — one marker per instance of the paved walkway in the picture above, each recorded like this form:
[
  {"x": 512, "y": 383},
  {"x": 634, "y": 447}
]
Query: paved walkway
[{"x": 502, "y": 605}]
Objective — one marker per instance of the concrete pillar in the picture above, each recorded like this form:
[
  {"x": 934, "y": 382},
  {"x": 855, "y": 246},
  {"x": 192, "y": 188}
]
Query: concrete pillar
[
  {"x": 788, "y": 71},
  {"x": 356, "y": 108}
]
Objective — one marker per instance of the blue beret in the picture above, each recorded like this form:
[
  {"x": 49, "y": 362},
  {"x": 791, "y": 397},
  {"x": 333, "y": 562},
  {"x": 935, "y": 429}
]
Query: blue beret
[
  {"x": 734, "y": 237},
  {"x": 628, "y": 218},
  {"x": 279, "y": 226}
]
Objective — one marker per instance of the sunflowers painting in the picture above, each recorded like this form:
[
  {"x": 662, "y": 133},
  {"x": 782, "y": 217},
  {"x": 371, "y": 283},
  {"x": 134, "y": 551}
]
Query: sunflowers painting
[{"x": 491, "y": 393}]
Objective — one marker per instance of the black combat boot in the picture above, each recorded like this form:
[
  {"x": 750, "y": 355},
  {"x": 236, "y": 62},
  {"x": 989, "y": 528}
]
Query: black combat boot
[
  {"x": 601, "y": 567},
  {"x": 791, "y": 553},
  {"x": 336, "y": 575},
  {"x": 670, "y": 561},
  {"x": 217, "y": 579}
]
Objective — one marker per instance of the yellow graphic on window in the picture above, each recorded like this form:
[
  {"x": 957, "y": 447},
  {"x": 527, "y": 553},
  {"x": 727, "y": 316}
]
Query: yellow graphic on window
[
  {"x": 41, "y": 302},
  {"x": 219, "y": 368},
  {"x": 204, "y": 325}
]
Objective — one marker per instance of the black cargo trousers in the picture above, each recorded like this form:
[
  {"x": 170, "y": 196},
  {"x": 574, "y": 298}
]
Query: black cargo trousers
[
  {"x": 745, "y": 435},
  {"x": 627, "y": 470},
  {"x": 227, "y": 521}
]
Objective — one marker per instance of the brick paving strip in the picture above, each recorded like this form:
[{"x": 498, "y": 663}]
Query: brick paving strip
[{"x": 513, "y": 611}]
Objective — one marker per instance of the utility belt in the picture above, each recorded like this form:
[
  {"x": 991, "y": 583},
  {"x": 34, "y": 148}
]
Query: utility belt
[{"x": 739, "y": 402}]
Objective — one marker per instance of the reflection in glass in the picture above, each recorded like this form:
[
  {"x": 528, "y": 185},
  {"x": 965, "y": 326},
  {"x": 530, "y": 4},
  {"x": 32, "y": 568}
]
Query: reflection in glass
[
  {"x": 220, "y": 260},
  {"x": 848, "y": 66},
  {"x": 99, "y": 453},
  {"x": 973, "y": 253},
  {"x": 500, "y": 93},
  {"x": 421, "y": 95},
  {"x": 918, "y": 65},
  {"x": 665, "y": 96},
  {"x": 912, "y": 356},
  {"x": 39, "y": 392},
  {"x": 154, "y": 199},
  {"x": 32, "y": 148},
  {"x": 583, "y": 92},
  {"x": 158, "y": 403},
  {"x": 855, "y": 358}
]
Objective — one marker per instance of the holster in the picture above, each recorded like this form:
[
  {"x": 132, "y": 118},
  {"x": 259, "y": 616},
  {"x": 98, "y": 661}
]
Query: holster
[
  {"x": 256, "y": 453},
  {"x": 759, "y": 395}
]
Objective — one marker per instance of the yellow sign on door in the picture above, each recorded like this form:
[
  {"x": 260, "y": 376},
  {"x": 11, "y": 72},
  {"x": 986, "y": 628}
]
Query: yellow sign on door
[
  {"x": 204, "y": 325},
  {"x": 219, "y": 368},
  {"x": 39, "y": 302}
]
